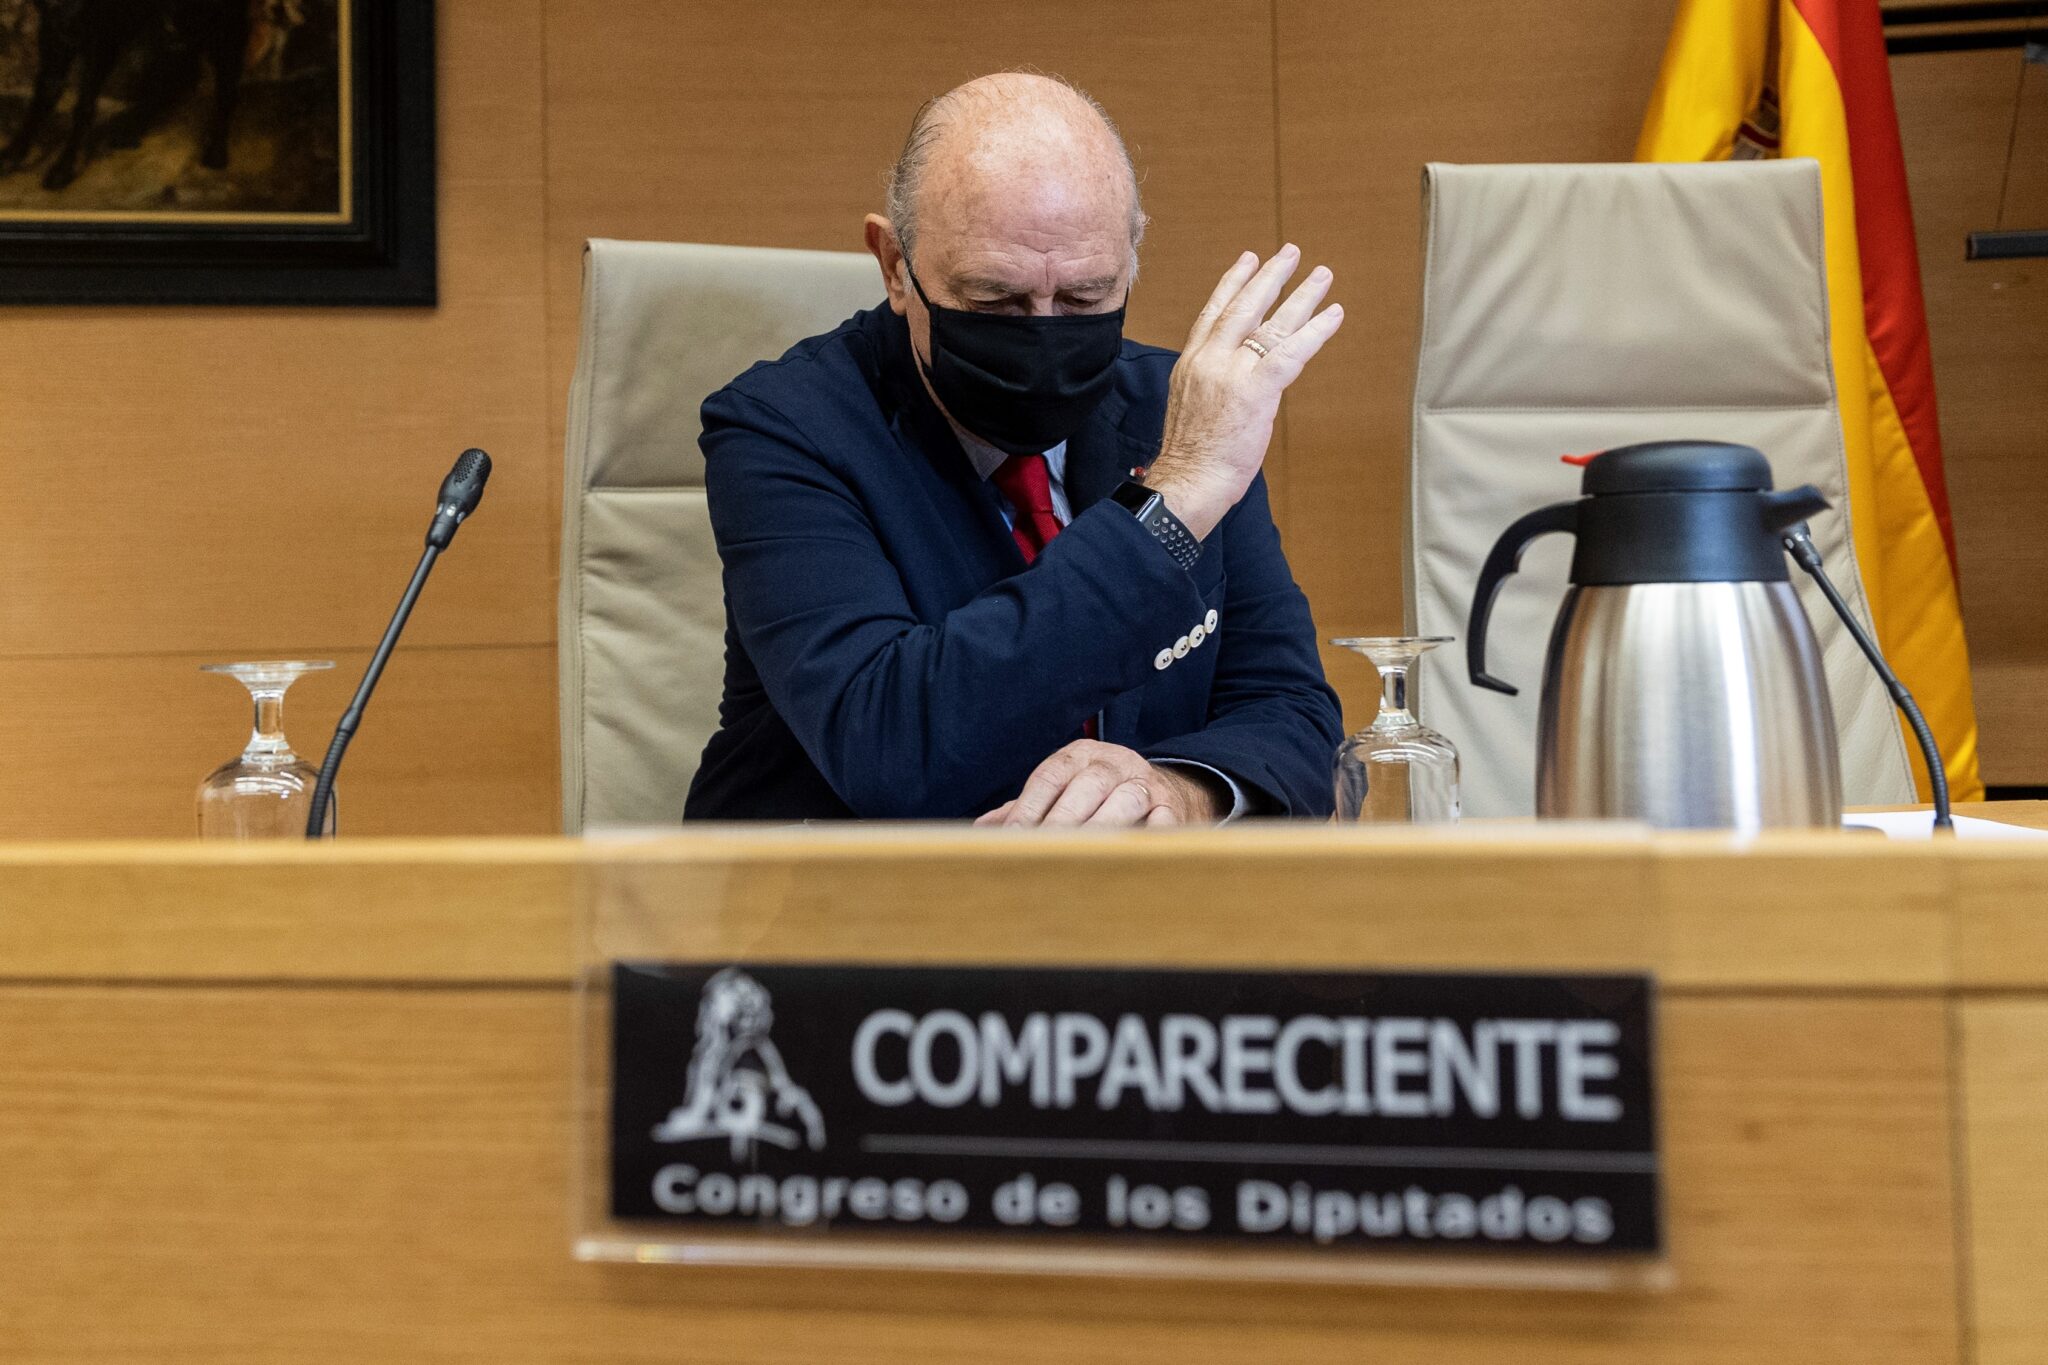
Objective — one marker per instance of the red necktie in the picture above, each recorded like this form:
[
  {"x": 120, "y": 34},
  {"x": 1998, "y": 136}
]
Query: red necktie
[{"x": 1027, "y": 483}]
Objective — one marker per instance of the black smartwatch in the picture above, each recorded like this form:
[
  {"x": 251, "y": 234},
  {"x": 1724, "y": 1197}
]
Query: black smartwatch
[{"x": 1151, "y": 511}]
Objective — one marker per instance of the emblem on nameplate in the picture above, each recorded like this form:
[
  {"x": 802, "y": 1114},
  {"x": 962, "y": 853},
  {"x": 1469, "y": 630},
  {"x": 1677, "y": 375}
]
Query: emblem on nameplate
[{"x": 738, "y": 1088}]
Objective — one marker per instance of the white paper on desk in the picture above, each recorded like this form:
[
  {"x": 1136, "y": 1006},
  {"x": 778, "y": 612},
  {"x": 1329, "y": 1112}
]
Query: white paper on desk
[{"x": 1919, "y": 824}]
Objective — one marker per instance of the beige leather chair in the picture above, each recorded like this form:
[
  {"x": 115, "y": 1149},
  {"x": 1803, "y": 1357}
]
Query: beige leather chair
[
  {"x": 642, "y": 610},
  {"x": 1569, "y": 309}
]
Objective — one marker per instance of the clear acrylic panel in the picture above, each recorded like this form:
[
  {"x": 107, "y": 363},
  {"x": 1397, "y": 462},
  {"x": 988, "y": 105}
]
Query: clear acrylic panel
[{"x": 722, "y": 923}]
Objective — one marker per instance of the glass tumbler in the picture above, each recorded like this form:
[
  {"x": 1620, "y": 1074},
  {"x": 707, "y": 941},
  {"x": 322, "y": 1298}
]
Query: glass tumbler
[
  {"x": 1397, "y": 770},
  {"x": 267, "y": 793}
]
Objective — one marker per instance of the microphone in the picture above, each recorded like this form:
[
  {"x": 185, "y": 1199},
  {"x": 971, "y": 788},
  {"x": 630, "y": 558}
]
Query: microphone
[
  {"x": 459, "y": 495},
  {"x": 1799, "y": 544}
]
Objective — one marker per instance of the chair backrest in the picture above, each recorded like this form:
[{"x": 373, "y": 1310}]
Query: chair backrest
[
  {"x": 642, "y": 610},
  {"x": 1569, "y": 309}
]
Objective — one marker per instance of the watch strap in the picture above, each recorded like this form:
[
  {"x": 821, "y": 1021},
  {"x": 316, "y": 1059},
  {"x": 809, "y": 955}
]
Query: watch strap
[{"x": 1159, "y": 521}]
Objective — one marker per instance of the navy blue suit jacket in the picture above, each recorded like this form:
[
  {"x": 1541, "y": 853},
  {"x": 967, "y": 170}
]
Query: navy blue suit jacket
[{"x": 888, "y": 653}]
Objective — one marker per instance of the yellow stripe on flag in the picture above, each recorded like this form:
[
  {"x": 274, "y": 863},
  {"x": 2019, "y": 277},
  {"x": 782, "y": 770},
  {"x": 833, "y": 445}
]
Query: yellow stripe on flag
[{"x": 1713, "y": 75}]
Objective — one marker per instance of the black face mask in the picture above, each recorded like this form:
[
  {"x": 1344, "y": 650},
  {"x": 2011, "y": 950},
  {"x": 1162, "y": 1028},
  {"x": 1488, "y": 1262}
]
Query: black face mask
[{"x": 1023, "y": 384}]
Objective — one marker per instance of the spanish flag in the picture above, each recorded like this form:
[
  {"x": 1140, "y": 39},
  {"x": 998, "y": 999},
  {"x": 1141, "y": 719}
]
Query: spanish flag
[{"x": 1767, "y": 78}]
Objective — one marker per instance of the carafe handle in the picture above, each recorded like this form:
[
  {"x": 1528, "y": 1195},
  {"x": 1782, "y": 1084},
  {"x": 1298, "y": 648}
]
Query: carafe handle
[{"x": 1502, "y": 560}]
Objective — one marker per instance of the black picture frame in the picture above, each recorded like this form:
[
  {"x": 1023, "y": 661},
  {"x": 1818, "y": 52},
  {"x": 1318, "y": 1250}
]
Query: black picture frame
[{"x": 384, "y": 255}]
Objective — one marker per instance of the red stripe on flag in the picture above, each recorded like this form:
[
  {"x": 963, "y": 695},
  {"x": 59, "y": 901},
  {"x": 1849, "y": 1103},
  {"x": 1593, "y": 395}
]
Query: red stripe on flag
[{"x": 1851, "y": 32}]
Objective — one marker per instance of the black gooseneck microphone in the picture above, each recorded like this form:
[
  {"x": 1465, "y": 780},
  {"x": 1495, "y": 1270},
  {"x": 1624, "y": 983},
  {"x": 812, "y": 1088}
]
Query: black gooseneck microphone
[
  {"x": 1799, "y": 544},
  {"x": 460, "y": 493}
]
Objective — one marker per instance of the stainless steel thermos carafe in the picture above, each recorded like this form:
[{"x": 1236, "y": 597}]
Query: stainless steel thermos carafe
[{"x": 1683, "y": 685}]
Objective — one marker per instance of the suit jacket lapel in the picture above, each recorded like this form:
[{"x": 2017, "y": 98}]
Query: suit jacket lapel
[{"x": 1102, "y": 454}]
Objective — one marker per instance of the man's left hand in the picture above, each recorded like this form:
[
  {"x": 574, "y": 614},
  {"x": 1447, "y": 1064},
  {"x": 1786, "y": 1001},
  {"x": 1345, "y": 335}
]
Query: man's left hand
[{"x": 1092, "y": 783}]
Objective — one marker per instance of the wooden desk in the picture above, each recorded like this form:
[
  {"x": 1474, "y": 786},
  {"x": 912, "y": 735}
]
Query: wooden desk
[{"x": 313, "y": 1104}]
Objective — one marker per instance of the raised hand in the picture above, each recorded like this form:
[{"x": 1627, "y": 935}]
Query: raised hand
[{"x": 1226, "y": 387}]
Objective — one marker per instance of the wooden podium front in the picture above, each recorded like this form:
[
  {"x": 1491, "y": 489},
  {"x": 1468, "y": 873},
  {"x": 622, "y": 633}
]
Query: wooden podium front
[{"x": 315, "y": 1103}]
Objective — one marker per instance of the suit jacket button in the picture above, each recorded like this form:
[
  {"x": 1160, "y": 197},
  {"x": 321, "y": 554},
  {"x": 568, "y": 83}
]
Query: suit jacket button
[
  {"x": 1181, "y": 647},
  {"x": 1196, "y": 636},
  {"x": 1163, "y": 659},
  {"x": 1209, "y": 622}
]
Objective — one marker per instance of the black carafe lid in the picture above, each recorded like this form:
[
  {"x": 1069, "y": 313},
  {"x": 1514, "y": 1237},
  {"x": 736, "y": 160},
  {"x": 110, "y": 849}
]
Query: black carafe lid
[
  {"x": 1684, "y": 512},
  {"x": 1677, "y": 467}
]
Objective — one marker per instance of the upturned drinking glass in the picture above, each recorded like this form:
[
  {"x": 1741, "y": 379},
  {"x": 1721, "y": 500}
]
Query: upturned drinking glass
[
  {"x": 1397, "y": 770},
  {"x": 267, "y": 793}
]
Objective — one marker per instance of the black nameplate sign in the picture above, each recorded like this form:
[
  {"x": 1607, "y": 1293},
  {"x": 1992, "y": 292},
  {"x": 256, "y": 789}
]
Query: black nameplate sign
[{"x": 1458, "y": 1113}]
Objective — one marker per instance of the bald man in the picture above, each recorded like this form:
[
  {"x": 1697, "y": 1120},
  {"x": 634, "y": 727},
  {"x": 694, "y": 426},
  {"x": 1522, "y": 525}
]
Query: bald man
[{"x": 984, "y": 557}]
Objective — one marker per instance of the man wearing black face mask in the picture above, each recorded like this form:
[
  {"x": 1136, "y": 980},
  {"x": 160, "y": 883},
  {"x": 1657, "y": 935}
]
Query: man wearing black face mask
[{"x": 985, "y": 558}]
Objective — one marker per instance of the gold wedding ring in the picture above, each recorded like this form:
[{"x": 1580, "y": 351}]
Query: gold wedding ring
[{"x": 1258, "y": 346}]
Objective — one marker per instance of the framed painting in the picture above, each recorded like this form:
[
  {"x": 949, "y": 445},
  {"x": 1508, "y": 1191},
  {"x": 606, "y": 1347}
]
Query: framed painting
[{"x": 217, "y": 151}]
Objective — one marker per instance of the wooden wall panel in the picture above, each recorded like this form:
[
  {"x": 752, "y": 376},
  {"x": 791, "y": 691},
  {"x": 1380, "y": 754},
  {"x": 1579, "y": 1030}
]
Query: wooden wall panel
[
  {"x": 458, "y": 741},
  {"x": 2026, "y": 184},
  {"x": 321, "y": 1174},
  {"x": 1368, "y": 94},
  {"x": 1988, "y": 321},
  {"x": 236, "y": 480},
  {"x": 772, "y": 125}
]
